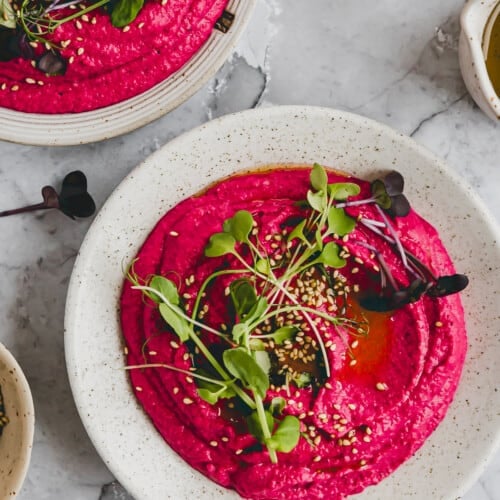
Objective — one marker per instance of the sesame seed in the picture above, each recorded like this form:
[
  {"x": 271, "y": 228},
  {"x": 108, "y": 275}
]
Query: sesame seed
[
  {"x": 153, "y": 353},
  {"x": 174, "y": 233},
  {"x": 174, "y": 344},
  {"x": 354, "y": 451},
  {"x": 78, "y": 25},
  {"x": 125, "y": 350},
  {"x": 381, "y": 386},
  {"x": 189, "y": 380},
  {"x": 85, "y": 18},
  {"x": 367, "y": 439},
  {"x": 351, "y": 406},
  {"x": 14, "y": 88},
  {"x": 317, "y": 440},
  {"x": 352, "y": 362},
  {"x": 438, "y": 324},
  {"x": 80, "y": 51},
  {"x": 71, "y": 59},
  {"x": 186, "y": 295},
  {"x": 138, "y": 388},
  {"x": 323, "y": 416},
  {"x": 346, "y": 442},
  {"x": 140, "y": 25},
  {"x": 30, "y": 81},
  {"x": 187, "y": 401},
  {"x": 93, "y": 20},
  {"x": 343, "y": 421},
  {"x": 164, "y": 2},
  {"x": 355, "y": 344},
  {"x": 214, "y": 443},
  {"x": 175, "y": 390},
  {"x": 328, "y": 385},
  {"x": 317, "y": 458},
  {"x": 355, "y": 270},
  {"x": 39, "y": 82},
  {"x": 238, "y": 452},
  {"x": 125, "y": 29}
]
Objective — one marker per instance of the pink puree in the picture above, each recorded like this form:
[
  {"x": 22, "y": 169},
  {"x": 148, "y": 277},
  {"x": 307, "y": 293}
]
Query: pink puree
[
  {"x": 115, "y": 64},
  {"x": 419, "y": 362}
]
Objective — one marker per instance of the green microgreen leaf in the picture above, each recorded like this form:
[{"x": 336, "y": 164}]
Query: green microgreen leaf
[
  {"x": 166, "y": 287},
  {"x": 220, "y": 244},
  {"x": 243, "y": 296},
  {"x": 339, "y": 222},
  {"x": 171, "y": 316},
  {"x": 239, "y": 226},
  {"x": 238, "y": 331},
  {"x": 317, "y": 201},
  {"x": 211, "y": 393},
  {"x": 318, "y": 178},
  {"x": 283, "y": 333},
  {"x": 277, "y": 406},
  {"x": 330, "y": 256},
  {"x": 125, "y": 11},
  {"x": 263, "y": 360},
  {"x": 243, "y": 366},
  {"x": 298, "y": 232},
  {"x": 256, "y": 344},
  {"x": 255, "y": 425},
  {"x": 257, "y": 310},
  {"x": 342, "y": 190},
  {"x": 286, "y": 436},
  {"x": 263, "y": 266}
]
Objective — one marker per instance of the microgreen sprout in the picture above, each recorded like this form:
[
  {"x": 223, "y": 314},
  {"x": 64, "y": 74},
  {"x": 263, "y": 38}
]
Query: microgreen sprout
[{"x": 73, "y": 200}]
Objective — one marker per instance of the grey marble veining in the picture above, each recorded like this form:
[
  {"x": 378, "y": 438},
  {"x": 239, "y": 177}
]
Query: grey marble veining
[{"x": 393, "y": 61}]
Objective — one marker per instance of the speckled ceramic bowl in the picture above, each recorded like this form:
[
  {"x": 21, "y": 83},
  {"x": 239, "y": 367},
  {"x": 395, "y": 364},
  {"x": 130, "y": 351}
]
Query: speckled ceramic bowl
[
  {"x": 17, "y": 437},
  {"x": 100, "y": 124},
  {"x": 454, "y": 455}
]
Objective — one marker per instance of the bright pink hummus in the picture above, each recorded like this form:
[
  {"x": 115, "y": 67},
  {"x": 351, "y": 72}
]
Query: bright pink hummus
[
  {"x": 370, "y": 416},
  {"x": 108, "y": 65}
]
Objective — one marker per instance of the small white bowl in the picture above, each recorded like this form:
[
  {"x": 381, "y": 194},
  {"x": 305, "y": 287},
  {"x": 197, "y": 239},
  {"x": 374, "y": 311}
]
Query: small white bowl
[
  {"x": 17, "y": 438},
  {"x": 476, "y": 21}
]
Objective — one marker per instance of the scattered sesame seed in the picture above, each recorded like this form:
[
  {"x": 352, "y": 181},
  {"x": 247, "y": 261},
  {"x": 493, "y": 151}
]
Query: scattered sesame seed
[
  {"x": 317, "y": 458},
  {"x": 214, "y": 443},
  {"x": 175, "y": 390},
  {"x": 189, "y": 380},
  {"x": 328, "y": 385},
  {"x": 125, "y": 29},
  {"x": 367, "y": 439},
  {"x": 71, "y": 59},
  {"x": 351, "y": 406},
  {"x": 186, "y": 295},
  {"x": 80, "y": 51},
  {"x": 31, "y": 81},
  {"x": 140, "y": 25},
  {"x": 84, "y": 18},
  {"x": 125, "y": 350},
  {"x": 174, "y": 233},
  {"x": 317, "y": 440},
  {"x": 14, "y": 88},
  {"x": 438, "y": 324},
  {"x": 355, "y": 344},
  {"x": 238, "y": 452},
  {"x": 39, "y": 82},
  {"x": 352, "y": 362},
  {"x": 93, "y": 20},
  {"x": 381, "y": 386},
  {"x": 138, "y": 388},
  {"x": 174, "y": 344},
  {"x": 153, "y": 353},
  {"x": 78, "y": 25},
  {"x": 354, "y": 451},
  {"x": 187, "y": 401}
]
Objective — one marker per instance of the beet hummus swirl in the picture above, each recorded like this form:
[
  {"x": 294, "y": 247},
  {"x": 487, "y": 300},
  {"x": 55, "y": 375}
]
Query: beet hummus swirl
[
  {"x": 104, "y": 64},
  {"x": 361, "y": 348}
]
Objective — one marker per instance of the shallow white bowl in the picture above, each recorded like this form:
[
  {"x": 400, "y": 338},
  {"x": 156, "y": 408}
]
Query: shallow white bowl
[
  {"x": 100, "y": 124},
  {"x": 455, "y": 454},
  {"x": 17, "y": 438}
]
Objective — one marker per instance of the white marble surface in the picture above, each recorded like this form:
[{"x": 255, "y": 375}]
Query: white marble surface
[{"x": 392, "y": 61}]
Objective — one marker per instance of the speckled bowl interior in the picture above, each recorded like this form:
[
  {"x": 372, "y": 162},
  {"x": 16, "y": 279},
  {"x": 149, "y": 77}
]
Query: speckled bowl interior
[
  {"x": 17, "y": 437},
  {"x": 454, "y": 455},
  {"x": 100, "y": 124}
]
